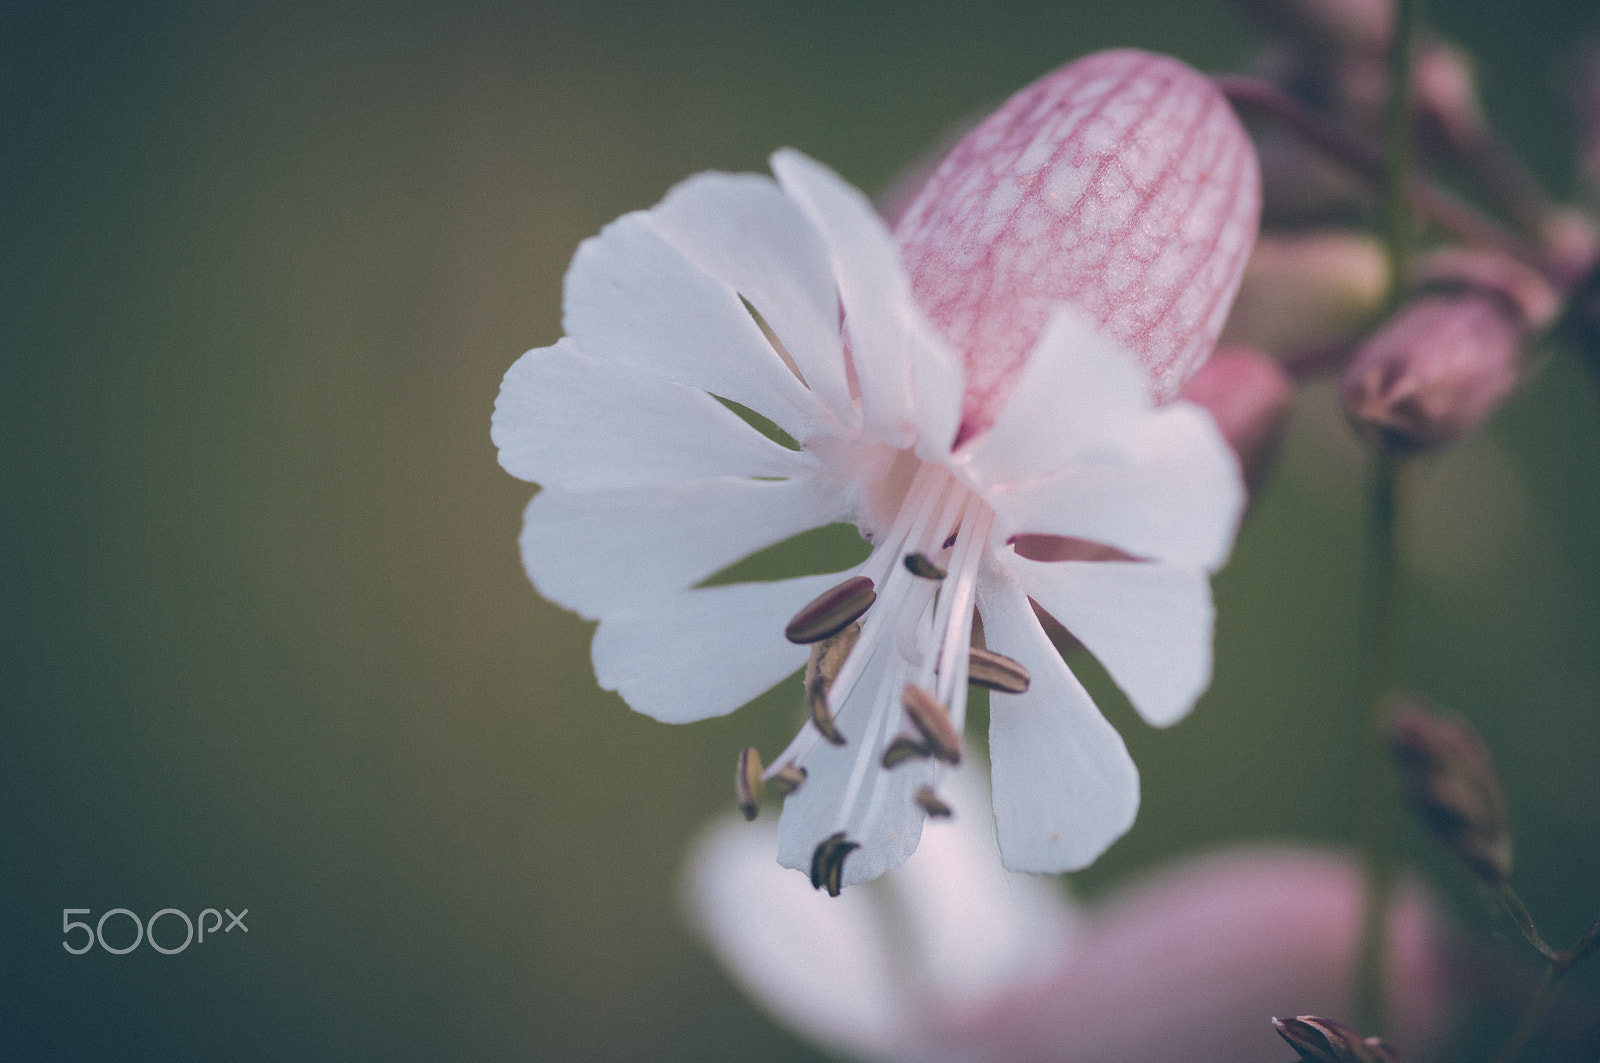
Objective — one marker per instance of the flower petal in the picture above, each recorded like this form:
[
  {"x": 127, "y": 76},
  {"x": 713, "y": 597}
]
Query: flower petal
[
  {"x": 604, "y": 551},
  {"x": 836, "y": 968},
  {"x": 705, "y": 652},
  {"x": 824, "y": 966},
  {"x": 1121, "y": 184},
  {"x": 879, "y": 810},
  {"x": 1179, "y": 500},
  {"x": 742, "y": 230},
  {"x": 910, "y": 381},
  {"x": 633, "y": 298},
  {"x": 1149, "y": 625},
  {"x": 565, "y": 419},
  {"x": 1080, "y": 399},
  {"x": 1064, "y": 785}
]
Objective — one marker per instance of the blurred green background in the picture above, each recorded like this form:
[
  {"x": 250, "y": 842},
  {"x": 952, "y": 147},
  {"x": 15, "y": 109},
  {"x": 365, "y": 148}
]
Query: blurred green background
[{"x": 267, "y": 643}]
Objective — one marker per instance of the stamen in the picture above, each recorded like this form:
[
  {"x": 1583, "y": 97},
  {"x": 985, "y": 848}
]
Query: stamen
[
  {"x": 832, "y": 611},
  {"x": 827, "y": 863},
  {"x": 996, "y": 671},
  {"x": 919, "y": 565},
  {"x": 929, "y": 717},
  {"x": 948, "y": 543},
  {"x": 787, "y": 779},
  {"x": 747, "y": 782},
  {"x": 905, "y": 748},
  {"x": 930, "y": 803},
  {"x": 827, "y": 657}
]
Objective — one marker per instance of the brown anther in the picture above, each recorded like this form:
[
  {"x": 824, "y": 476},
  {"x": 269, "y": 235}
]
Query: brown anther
[
  {"x": 905, "y": 748},
  {"x": 747, "y": 782},
  {"x": 787, "y": 779},
  {"x": 930, "y": 803},
  {"x": 996, "y": 671},
  {"x": 948, "y": 543},
  {"x": 827, "y": 862},
  {"x": 827, "y": 657},
  {"x": 919, "y": 565},
  {"x": 929, "y": 717},
  {"x": 832, "y": 611}
]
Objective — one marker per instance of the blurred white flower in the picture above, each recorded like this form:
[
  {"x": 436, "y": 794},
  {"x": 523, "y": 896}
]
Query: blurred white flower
[
  {"x": 979, "y": 399},
  {"x": 951, "y": 959}
]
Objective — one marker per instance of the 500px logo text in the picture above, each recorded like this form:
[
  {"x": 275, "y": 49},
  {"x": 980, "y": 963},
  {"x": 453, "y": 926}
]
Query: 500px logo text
[{"x": 118, "y": 919}]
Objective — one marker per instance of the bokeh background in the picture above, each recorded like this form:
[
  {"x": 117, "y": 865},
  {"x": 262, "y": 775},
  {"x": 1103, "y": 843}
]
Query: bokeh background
[{"x": 267, "y": 643}]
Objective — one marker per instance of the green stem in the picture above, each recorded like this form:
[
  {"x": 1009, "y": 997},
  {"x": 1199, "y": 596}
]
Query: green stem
[
  {"x": 1379, "y": 667},
  {"x": 1512, "y": 903},
  {"x": 1379, "y": 647}
]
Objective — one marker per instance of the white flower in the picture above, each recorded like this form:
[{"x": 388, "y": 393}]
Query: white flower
[
  {"x": 890, "y": 972},
  {"x": 792, "y": 299},
  {"x": 950, "y": 959}
]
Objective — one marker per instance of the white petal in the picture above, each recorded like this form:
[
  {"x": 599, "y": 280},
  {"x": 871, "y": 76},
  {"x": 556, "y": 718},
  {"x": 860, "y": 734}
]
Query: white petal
[
  {"x": 842, "y": 970},
  {"x": 1149, "y": 624},
  {"x": 978, "y": 927},
  {"x": 1178, "y": 501},
  {"x": 742, "y": 230},
  {"x": 602, "y": 551},
  {"x": 566, "y": 419},
  {"x": 1064, "y": 785},
  {"x": 881, "y": 814},
  {"x": 910, "y": 379},
  {"x": 1080, "y": 400},
  {"x": 633, "y": 298},
  {"x": 824, "y": 966},
  {"x": 705, "y": 652}
]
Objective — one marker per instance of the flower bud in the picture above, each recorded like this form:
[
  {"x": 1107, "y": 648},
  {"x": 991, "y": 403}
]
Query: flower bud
[
  {"x": 1307, "y": 289},
  {"x": 1249, "y": 395},
  {"x": 1449, "y": 777},
  {"x": 1462, "y": 269},
  {"x": 1435, "y": 372},
  {"x": 1319, "y": 1040}
]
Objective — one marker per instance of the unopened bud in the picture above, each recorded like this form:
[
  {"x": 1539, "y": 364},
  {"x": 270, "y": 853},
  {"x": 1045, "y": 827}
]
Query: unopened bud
[
  {"x": 1307, "y": 289},
  {"x": 1449, "y": 777},
  {"x": 1319, "y": 1040},
  {"x": 1435, "y": 372},
  {"x": 1249, "y": 395}
]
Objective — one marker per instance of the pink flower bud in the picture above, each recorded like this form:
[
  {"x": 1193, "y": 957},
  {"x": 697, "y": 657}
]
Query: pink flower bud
[
  {"x": 1249, "y": 396},
  {"x": 1191, "y": 963},
  {"x": 1122, "y": 185},
  {"x": 1435, "y": 372}
]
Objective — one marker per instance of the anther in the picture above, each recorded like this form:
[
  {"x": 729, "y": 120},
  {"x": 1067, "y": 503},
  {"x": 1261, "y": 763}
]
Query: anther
[
  {"x": 747, "y": 782},
  {"x": 996, "y": 671},
  {"x": 827, "y": 657},
  {"x": 787, "y": 779},
  {"x": 948, "y": 543},
  {"x": 929, "y": 717},
  {"x": 930, "y": 803},
  {"x": 832, "y": 611},
  {"x": 905, "y": 748},
  {"x": 919, "y": 565},
  {"x": 827, "y": 862}
]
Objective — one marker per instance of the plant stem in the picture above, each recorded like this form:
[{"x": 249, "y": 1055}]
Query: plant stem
[
  {"x": 1378, "y": 667},
  {"x": 1380, "y": 651}
]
